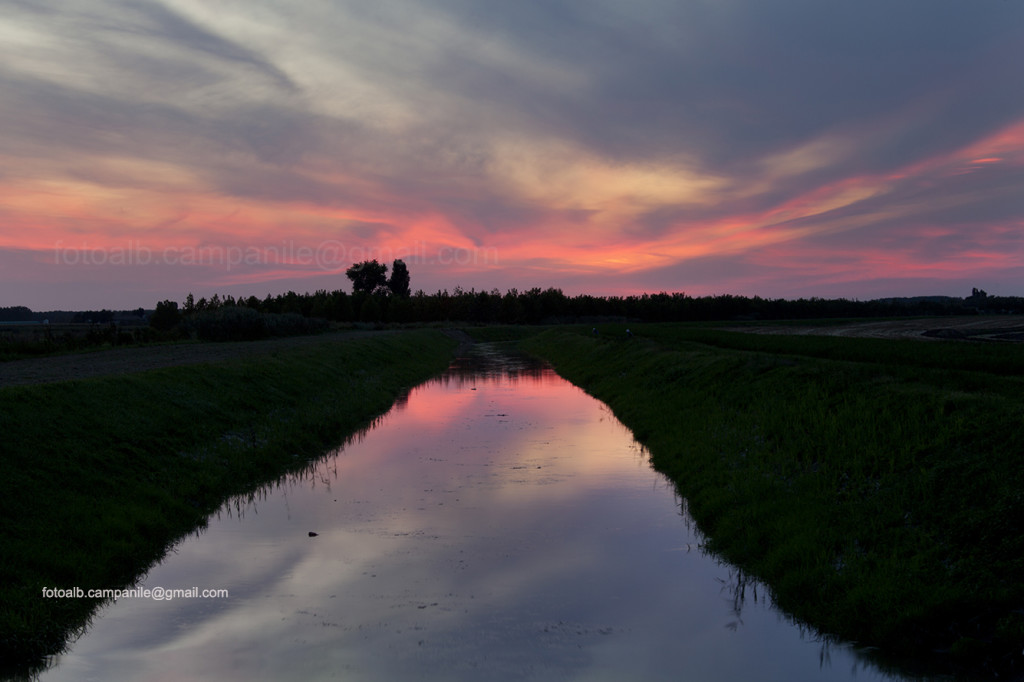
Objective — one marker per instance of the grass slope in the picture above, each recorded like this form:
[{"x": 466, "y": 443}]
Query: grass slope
[
  {"x": 99, "y": 477},
  {"x": 874, "y": 485}
]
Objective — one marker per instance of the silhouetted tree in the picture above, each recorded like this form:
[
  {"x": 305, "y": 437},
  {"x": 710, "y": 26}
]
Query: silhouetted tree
[
  {"x": 368, "y": 276},
  {"x": 166, "y": 316},
  {"x": 399, "y": 282},
  {"x": 17, "y": 313}
]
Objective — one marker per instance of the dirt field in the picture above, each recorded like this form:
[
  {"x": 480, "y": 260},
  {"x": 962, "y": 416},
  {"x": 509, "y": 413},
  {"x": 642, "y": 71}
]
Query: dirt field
[
  {"x": 128, "y": 360},
  {"x": 975, "y": 328}
]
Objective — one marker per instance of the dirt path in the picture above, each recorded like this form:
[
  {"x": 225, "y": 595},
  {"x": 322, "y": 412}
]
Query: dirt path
[
  {"x": 139, "y": 359},
  {"x": 976, "y": 327}
]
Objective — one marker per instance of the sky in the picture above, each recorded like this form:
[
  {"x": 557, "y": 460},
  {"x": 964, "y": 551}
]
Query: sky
[{"x": 778, "y": 148}]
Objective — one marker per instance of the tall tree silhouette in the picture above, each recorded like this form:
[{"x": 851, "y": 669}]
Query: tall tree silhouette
[{"x": 399, "y": 282}]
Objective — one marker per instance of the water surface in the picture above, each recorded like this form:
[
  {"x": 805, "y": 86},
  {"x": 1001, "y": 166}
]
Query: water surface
[{"x": 497, "y": 524}]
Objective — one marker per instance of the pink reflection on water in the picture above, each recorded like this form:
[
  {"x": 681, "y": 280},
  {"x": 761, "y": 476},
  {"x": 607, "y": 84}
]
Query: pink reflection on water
[{"x": 503, "y": 525}]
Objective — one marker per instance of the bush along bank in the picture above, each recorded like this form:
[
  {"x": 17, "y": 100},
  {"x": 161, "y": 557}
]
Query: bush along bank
[
  {"x": 100, "y": 477},
  {"x": 879, "y": 501}
]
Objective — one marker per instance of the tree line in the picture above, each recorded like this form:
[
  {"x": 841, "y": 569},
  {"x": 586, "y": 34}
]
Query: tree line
[{"x": 377, "y": 298}]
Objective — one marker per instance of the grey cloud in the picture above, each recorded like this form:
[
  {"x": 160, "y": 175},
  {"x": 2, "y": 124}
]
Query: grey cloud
[
  {"x": 723, "y": 82},
  {"x": 273, "y": 184},
  {"x": 722, "y": 85},
  {"x": 69, "y": 128},
  {"x": 727, "y": 81},
  {"x": 47, "y": 120},
  {"x": 367, "y": 230},
  {"x": 176, "y": 29}
]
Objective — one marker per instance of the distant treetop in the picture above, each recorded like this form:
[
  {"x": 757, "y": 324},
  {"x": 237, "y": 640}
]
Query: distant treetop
[
  {"x": 369, "y": 277},
  {"x": 399, "y": 282}
]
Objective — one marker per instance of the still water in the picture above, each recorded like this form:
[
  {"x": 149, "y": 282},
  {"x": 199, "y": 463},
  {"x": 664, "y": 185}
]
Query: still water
[{"x": 497, "y": 524}]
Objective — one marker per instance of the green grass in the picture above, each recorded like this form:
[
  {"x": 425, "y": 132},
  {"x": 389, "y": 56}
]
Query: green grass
[
  {"x": 99, "y": 477},
  {"x": 992, "y": 358},
  {"x": 874, "y": 485},
  {"x": 500, "y": 333}
]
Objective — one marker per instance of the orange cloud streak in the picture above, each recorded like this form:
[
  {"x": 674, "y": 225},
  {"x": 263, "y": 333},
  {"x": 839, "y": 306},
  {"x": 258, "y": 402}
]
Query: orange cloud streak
[{"x": 592, "y": 207}]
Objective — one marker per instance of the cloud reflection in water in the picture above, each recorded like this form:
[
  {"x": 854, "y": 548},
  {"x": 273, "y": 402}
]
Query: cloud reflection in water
[{"x": 501, "y": 525}]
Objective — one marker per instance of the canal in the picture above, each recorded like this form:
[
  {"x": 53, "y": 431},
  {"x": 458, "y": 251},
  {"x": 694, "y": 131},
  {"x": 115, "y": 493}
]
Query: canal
[{"x": 498, "y": 523}]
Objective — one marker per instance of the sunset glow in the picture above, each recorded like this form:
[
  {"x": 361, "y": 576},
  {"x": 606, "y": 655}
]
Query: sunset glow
[{"x": 782, "y": 149}]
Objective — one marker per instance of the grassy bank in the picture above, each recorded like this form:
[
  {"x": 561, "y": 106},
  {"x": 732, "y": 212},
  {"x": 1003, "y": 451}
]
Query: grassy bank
[
  {"x": 874, "y": 485},
  {"x": 99, "y": 476}
]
